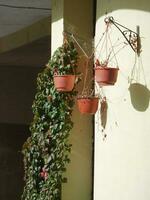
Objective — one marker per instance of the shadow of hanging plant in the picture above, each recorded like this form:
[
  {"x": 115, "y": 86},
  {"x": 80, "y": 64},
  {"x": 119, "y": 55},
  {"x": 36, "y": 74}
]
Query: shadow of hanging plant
[
  {"x": 140, "y": 96},
  {"x": 103, "y": 112}
]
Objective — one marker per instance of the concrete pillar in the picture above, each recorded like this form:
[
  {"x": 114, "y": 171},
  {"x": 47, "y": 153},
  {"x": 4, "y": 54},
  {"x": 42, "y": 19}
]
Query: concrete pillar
[{"x": 76, "y": 17}]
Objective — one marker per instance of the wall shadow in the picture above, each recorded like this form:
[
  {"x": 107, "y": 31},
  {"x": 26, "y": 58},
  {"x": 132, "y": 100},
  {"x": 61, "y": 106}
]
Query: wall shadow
[
  {"x": 140, "y": 96},
  {"x": 108, "y": 6},
  {"x": 103, "y": 113},
  {"x": 12, "y": 137}
]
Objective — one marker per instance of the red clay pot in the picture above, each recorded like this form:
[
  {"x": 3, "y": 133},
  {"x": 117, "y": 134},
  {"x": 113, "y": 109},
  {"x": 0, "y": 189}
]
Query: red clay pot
[
  {"x": 106, "y": 75},
  {"x": 64, "y": 83},
  {"x": 87, "y": 105}
]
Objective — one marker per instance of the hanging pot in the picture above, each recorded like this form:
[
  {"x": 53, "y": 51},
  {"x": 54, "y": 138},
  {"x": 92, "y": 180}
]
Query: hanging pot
[
  {"x": 87, "y": 105},
  {"x": 64, "y": 83},
  {"x": 106, "y": 75}
]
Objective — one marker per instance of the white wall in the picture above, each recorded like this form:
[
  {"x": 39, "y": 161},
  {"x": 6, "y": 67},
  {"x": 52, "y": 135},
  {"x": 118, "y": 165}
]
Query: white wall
[{"x": 122, "y": 161}]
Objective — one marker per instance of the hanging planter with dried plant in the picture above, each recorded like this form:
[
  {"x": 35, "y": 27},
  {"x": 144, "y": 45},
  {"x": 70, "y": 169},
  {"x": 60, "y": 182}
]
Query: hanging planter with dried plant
[
  {"x": 105, "y": 75},
  {"x": 87, "y": 101},
  {"x": 106, "y": 71}
]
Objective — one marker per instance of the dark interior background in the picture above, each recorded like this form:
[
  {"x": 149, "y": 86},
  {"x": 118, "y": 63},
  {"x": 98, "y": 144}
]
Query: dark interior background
[{"x": 18, "y": 72}]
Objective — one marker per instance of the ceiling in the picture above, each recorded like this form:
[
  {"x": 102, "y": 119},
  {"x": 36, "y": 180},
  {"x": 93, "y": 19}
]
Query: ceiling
[
  {"x": 27, "y": 12},
  {"x": 12, "y": 19},
  {"x": 19, "y": 66}
]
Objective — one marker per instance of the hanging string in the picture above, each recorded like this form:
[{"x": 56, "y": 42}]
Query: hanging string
[
  {"x": 112, "y": 49},
  {"x": 85, "y": 54},
  {"x": 79, "y": 46},
  {"x": 143, "y": 70},
  {"x": 101, "y": 49},
  {"x": 107, "y": 38},
  {"x": 99, "y": 40},
  {"x": 93, "y": 50},
  {"x": 102, "y": 46},
  {"x": 97, "y": 87},
  {"x": 86, "y": 73},
  {"x": 106, "y": 47},
  {"x": 136, "y": 70},
  {"x": 112, "y": 54},
  {"x": 133, "y": 72},
  {"x": 105, "y": 42},
  {"x": 124, "y": 75},
  {"x": 118, "y": 51},
  {"x": 86, "y": 89},
  {"x": 90, "y": 92}
]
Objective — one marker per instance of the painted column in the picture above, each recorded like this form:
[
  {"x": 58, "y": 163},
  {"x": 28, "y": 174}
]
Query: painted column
[{"x": 76, "y": 17}]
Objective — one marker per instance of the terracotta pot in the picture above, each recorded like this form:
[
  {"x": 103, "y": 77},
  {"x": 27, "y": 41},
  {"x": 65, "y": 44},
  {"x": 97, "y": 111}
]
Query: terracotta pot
[
  {"x": 64, "y": 83},
  {"x": 106, "y": 75},
  {"x": 87, "y": 105}
]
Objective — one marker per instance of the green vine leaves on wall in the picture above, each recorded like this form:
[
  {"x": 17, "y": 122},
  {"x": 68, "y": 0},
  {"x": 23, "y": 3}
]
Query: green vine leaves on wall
[{"x": 46, "y": 151}]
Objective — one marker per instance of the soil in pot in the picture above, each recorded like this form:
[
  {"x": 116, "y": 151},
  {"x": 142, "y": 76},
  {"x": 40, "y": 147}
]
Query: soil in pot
[
  {"x": 64, "y": 83},
  {"x": 87, "y": 105}
]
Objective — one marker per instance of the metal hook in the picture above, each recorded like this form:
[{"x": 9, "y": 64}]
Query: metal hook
[{"x": 133, "y": 38}]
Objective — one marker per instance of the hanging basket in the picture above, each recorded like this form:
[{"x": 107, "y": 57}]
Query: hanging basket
[
  {"x": 64, "y": 83},
  {"x": 87, "y": 105},
  {"x": 106, "y": 75}
]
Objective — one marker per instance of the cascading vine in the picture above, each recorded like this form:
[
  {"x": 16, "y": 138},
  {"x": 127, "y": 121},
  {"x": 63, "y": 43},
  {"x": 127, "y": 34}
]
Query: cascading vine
[{"x": 46, "y": 151}]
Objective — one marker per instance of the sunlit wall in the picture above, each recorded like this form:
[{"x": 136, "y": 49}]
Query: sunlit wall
[{"x": 122, "y": 160}]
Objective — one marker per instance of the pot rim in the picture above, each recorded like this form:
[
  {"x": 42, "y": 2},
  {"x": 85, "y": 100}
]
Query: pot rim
[
  {"x": 64, "y": 75},
  {"x": 106, "y": 68},
  {"x": 94, "y": 97}
]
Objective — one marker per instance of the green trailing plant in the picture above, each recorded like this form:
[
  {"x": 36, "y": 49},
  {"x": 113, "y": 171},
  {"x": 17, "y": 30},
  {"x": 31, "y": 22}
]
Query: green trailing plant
[{"x": 46, "y": 151}]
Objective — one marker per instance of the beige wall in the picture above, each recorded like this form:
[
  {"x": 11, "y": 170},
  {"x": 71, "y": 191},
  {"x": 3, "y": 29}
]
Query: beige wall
[
  {"x": 122, "y": 162},
  {"x": 76, "y": 17}
]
